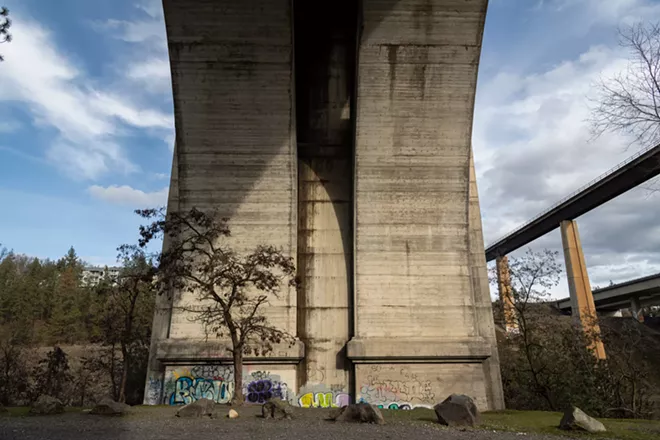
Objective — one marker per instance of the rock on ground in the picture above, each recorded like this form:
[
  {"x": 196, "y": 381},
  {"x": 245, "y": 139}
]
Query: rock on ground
[
  {"x": 575, "y": 418},
  {"x": 108, "y": 407},
  {"x": 232, "y": 414},
  {"x": 457, "y": 410},
  {"x": 276, "y": 408},
  {"x": 196, "y": 409},
  {"x": 46, "y": 405},
  {"x": 360, "y": 413}
]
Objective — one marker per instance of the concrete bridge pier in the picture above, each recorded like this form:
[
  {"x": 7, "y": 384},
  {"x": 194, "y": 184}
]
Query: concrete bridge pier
[
  {"x": 506, "y": 294},
  {"x": 583, "y": 307},
  {"x": 636, "y": 309}
]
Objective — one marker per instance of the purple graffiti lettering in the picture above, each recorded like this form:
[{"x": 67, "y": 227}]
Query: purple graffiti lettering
[{"x": 260, "y": 391}]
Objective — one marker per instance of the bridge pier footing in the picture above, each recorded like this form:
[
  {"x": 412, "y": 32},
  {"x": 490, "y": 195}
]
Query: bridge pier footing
[{"x": 582, "y": 300}]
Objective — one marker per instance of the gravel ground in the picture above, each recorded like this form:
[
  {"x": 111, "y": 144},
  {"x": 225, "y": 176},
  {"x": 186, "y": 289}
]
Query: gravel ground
[{"x": 160, "y": 423}]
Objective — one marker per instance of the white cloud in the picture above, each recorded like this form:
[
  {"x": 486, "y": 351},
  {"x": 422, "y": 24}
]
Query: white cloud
[
  {"x": 153, "y": 74},
  {"x": 58, "y": 94},
  {"x": 126, "y": 195},
  {"x": 153, "y": 8},
  {"x": 139, "y": 31}
]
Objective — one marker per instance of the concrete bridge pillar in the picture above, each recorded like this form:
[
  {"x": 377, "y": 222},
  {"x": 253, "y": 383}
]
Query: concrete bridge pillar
[
  {"x": 636, "y": 309},
  {"x": 506, "y": 294},
  {"x": 582, "y": 300}
]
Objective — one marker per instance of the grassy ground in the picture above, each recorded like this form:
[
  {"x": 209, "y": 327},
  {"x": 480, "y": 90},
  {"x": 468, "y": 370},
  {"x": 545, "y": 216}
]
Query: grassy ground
[
  {"x": 528, "y": 422},
  {"x": 542, "y": 422}
]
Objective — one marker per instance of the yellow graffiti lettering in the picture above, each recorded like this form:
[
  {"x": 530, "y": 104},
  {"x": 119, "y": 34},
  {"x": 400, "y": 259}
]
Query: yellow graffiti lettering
[{"x": 317, "y": 400}]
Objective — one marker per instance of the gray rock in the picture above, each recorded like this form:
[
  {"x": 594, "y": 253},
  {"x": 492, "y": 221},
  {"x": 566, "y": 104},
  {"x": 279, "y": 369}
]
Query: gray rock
[
  {"x": 575, "y": 418},
  {"x": 457, "y": 410},
  {"x": 46, "y": 405},
  {"x": 196, "y": 409},
  {"x": 108, "y": 407},
  {"x": 276, "y": 408},
  {"x": 359, "y": 413}
]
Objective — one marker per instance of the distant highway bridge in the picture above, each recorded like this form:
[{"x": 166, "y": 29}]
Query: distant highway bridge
[
  {"x": 630, "y": 173},
  {"x": 634, "y": 294},
  {"x": 637, "y": 169}
]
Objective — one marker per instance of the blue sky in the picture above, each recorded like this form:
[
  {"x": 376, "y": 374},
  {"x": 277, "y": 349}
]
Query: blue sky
[{"x": 86, "y": 127}]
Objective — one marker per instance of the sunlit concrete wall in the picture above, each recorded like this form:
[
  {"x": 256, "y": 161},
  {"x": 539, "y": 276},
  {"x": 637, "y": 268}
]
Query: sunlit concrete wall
[
  {"x": 232, "y": 79},
  {"x": 420, "y": 291},
  {"x": 368, "y": 183},
  {"x": 231, "y": 73}
]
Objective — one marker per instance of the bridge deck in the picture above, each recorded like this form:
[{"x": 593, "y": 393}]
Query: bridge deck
[{"x": 630, "y": 173}]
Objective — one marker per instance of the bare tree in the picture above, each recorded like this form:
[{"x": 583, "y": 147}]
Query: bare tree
[
  {"x": 5, "y": 24},
  {"x": 628, "y": 102},
  {"x": 532, "y": 275},
  {"x": 231, "y": 289}
]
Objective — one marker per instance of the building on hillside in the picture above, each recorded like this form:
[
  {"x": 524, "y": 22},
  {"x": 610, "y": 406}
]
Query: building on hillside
[{"x": 92, "y": 275}]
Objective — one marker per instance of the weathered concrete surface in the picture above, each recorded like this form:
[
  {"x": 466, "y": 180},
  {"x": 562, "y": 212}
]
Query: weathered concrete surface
[
  {"x": 342, "y": 136},
  {"x": 325, "y": 62},
  {"x": 506, "y": 293},
  {"x": 579, "y": 287},
  {"x": 232, "y": 78},
  {"x": 418, "y": 231}
]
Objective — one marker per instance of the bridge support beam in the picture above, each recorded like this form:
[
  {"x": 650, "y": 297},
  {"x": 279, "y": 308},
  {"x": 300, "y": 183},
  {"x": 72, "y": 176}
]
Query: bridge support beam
[
  {"x": 582, "y": 300},
  {"x": 636, "y": 309},
  {"x": 506, "y": 294}
]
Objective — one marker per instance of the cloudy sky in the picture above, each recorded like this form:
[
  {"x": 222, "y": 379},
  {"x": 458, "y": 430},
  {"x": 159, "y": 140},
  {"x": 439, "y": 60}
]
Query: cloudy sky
[{"x": 86, "y": 127}]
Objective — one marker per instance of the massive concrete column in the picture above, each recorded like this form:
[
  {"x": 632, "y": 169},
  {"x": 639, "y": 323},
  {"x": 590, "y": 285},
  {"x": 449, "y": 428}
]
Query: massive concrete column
[
  {"x": 160, "y": 328},
  {"x": 232, "y": 77},
  {"x": 582, "y": 300},
  {"x": 325, "y": 34},
  {"x": 421, "y": 297},
  {"x": 353, "y": 154},
  {"x": 506, "y": 293}
]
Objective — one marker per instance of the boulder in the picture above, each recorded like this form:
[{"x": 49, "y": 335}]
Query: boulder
[
  {"x": 108, "y": 407},
  {"x": 46, "y": 405},
  {"x": 276, "y": 408},
  {"x": 457, "y": 410},
  {"x": 196, "y": 409},
  {"x": 359, "y": 413},
  {"x": 575, "y": 418},
  {"x": 232, "y": 414}
]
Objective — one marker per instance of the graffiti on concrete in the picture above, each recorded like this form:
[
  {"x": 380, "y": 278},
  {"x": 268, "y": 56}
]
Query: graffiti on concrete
[
  {"x": 395, "y": 386},
  {"x": 262, "y": 385},
  {"x": 184, "y": 385},
  {"x": 154, "y": 390},
  {"x": 324, "y": 400},
  {"x": 259, "y": 391},
  {"x": 403, "y": 406}
]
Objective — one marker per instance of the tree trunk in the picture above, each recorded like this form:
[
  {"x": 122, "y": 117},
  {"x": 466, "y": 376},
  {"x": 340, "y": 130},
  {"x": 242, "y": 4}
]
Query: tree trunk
[
  {"x": 128, "y": 330},
  {"x": 124, "y": 374},
  {"x": 238, "y": 398},
  {"x": 112, "y": 373}
]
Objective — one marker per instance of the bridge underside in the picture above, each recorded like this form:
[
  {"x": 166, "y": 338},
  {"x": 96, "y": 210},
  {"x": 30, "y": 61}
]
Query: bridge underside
[{"x": 339, "y": 131}]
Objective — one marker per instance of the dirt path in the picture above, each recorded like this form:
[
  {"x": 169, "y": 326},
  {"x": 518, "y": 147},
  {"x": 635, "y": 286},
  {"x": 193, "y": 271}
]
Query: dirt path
[{"x": 160, "y": 424}]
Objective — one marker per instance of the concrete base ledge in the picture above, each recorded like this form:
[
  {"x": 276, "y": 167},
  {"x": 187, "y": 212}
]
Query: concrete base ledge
[
  {"x": 431, "y": 350},
  {"x": 192, "y": 350}
]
